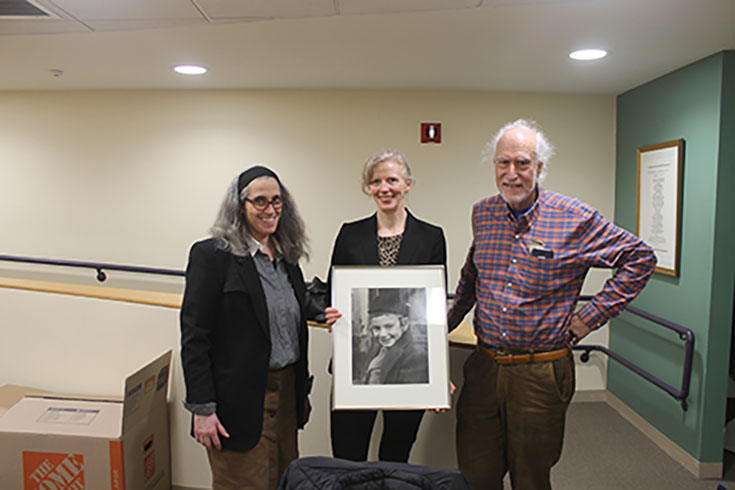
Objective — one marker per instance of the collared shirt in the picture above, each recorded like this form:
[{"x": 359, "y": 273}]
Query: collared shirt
[
  {"x": 284, "y": 312},
  {"x": 525, "y": 273}
]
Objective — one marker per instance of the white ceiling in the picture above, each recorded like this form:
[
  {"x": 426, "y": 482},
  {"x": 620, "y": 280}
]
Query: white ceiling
[{"x": 496, "y": 45}]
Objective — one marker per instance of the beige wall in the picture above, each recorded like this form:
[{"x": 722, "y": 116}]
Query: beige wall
[{"x": 136, "y": 177}]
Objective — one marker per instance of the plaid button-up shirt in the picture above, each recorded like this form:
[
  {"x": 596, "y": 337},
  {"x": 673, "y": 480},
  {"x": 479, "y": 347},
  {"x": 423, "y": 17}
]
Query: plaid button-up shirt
[{"x": 525, "y": 273}]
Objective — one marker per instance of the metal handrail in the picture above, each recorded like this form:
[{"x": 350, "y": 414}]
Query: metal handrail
[
  {"x": 685, "y": 334},
  {"x": 98, "y": 266}
]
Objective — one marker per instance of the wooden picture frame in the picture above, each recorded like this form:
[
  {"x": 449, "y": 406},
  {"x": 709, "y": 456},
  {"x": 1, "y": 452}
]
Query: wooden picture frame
[{"x": 658, "y": 215}]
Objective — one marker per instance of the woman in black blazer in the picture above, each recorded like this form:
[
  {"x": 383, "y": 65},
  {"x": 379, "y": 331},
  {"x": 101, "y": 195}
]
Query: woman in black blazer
[
  {"x": 244, "y": 339},
  {"x": 391, "y": 236}
]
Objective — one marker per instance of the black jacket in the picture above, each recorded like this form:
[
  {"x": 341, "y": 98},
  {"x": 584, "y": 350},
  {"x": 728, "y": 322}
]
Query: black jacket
[
  {"x": 340, "y": 474},
  {"x": 422, "y": 244},
  {"x": 225, "y": 340},
  {"x": 404, "y": 362},
  {"x": 357, "y": 244}
]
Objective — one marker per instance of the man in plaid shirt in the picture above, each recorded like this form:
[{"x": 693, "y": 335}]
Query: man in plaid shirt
[{"x": 530, "y": 253}]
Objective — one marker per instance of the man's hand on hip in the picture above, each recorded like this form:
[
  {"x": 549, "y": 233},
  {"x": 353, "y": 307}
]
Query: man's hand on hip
[{"x": 578, "y": 329}]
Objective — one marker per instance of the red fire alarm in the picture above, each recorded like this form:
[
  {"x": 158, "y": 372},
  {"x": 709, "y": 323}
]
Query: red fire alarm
[{"x": 431, "y": 132}]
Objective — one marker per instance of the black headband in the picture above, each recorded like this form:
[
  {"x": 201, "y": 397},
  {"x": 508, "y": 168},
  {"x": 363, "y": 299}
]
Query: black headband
[{"x": 253, "y": 173}]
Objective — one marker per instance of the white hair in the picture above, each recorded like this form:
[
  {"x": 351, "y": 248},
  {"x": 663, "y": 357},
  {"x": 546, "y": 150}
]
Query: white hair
[{"x": 544, "y": 149}]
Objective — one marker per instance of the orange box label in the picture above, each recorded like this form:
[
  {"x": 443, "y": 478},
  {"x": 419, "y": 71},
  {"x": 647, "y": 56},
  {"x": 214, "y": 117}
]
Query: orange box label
[
  {"x": 149, "y": 459},
  {"x": 117, "y": 470},
  {"x": 149, "y": 384},
  {"x": 52, "y": 471}
]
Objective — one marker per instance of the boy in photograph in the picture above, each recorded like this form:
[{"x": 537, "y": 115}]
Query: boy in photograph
[{"x": 399, "y": 359}]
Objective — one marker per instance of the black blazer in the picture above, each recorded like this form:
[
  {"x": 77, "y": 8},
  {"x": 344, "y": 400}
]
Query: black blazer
[
  {"x": 422, "y": 244},
  {"x": 225, "y": 340}
]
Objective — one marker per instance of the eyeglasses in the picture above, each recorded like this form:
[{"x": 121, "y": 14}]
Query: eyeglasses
[
  {"x": 261, "y": 202},
  {"x": 520, "y": 164}
]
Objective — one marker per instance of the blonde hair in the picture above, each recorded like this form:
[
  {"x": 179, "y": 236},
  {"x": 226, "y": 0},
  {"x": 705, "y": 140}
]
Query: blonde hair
[{"x": 380, "y": 157}]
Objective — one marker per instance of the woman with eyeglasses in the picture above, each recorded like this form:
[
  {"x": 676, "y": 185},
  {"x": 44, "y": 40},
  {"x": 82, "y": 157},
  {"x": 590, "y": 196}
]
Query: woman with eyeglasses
[
  {"x": 244, "y": 335},
  {"x": 391, "y": 236}
]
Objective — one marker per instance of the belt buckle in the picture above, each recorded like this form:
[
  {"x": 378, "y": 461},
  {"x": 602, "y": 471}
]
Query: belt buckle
[
  {"x": 505, "y": 357},
  {"x": 502, "y": 356},
  {"x": 518, "y": 358}
]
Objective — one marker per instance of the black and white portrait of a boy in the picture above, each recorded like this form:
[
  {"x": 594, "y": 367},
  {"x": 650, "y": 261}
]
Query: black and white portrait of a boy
[{"x": 389, "y": 338}]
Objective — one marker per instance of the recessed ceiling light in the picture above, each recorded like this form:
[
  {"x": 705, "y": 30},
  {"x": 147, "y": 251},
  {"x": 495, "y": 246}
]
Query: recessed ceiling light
[
  {"x": 190, "y": 69},
  {"x": 588, "y": 54}
]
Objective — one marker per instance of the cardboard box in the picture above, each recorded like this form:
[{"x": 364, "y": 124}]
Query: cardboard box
[{"x": 65, "y": 442}]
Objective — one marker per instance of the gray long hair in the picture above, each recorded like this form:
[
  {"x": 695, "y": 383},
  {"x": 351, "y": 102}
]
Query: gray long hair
[
  {"x": 544, "y": 148},
  {"x": 231, "y": 232}
]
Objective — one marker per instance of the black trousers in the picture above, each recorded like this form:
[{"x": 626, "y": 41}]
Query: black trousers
[{"x": 351, "y": 430}]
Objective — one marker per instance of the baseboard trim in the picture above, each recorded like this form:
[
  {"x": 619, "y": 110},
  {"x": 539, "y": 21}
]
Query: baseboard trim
[
  {"x": 587, "y": 396},
  {"x": 697, "y": 468}
]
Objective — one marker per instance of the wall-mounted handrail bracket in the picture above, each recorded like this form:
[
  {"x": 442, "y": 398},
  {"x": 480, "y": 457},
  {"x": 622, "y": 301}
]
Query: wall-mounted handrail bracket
[{"x": 101, "y": 276}]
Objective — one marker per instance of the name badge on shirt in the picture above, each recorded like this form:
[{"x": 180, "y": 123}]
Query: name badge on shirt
[
  {"x": 537, "y": 249},
  {"x": 543, "y": 252}
]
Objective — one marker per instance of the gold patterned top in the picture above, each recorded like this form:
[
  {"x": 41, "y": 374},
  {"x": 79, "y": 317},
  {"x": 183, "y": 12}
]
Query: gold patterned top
[{"x": 388, "y": 247}]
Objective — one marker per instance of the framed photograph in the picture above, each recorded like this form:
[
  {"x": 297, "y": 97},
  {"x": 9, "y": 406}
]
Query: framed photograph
[
  {"x": 390, "y": 345},
  {"x": 658, "y": 220}
]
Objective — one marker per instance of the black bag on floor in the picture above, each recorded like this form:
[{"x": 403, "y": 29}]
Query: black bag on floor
[{"x": 339, "y": 474}]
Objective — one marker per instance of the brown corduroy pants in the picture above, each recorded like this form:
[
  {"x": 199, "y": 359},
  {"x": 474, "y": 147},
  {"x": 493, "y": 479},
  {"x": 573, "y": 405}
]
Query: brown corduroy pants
[
  {"x": 261, "y": 467},
  {"x": 511, "y": 418}
]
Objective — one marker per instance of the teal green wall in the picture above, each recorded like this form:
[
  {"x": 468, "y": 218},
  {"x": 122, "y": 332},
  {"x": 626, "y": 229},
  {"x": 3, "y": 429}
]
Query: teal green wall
[
  {"x": 696, "y": 103},
  {"x": 723, "y": 278}
]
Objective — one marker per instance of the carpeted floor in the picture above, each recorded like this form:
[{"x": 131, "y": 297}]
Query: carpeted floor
[{"x": 603, "y": 451}]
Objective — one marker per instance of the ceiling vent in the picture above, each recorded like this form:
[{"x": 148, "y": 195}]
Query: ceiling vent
[{"x": 22, "y": 8}]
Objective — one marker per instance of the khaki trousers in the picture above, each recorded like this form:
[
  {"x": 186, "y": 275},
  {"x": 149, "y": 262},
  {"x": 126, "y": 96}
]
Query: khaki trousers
[
  {"x": 511, "y": 418},
  {"x": 261, "y": 467}
]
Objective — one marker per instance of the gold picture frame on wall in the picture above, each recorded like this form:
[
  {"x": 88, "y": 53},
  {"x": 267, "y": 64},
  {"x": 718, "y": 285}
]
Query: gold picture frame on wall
[{"x": 658, "y": 215}]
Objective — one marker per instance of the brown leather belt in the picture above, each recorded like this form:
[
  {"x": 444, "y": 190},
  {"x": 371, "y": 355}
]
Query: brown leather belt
[{"x": 524, "y": 358}]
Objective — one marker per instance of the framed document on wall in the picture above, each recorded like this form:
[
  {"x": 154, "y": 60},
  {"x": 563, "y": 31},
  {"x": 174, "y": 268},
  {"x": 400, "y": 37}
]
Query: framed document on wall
[
  {"x": 658, "y": 220},
  {"x": 390, "y": 346}
]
